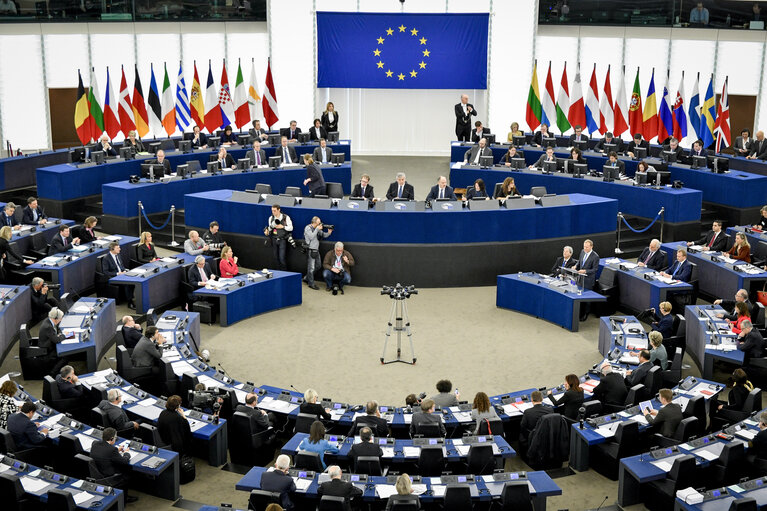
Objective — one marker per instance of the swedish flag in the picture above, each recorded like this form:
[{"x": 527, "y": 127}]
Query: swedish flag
[{"x": 708, "y": 115}]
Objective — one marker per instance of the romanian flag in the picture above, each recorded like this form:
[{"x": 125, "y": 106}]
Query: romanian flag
[
  {"x": 139, "y": 107},
  {"x": 650, "y": 116},
  {"x": 195, "y": 101},
  {"x": 82, "y": 113},
  {"x": 533, "y": 112},
  {"x": 636, "y": 121}
]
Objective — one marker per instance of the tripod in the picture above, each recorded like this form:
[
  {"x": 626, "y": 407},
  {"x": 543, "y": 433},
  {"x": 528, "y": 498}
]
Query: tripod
[{"x": 400, "y": 322}]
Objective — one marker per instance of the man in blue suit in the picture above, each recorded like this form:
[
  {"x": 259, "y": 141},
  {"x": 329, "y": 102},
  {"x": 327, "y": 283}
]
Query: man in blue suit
[
  {"x": 587, "y": 265},
  {"x": 441, "y": 190},
  {"x": 112, "y": 265},
  {"x": 23, "y": 430},
  {"x": 681, "y": 269}
]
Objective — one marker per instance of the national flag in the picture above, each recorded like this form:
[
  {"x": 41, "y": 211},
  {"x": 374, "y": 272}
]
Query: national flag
[
  {"x": 636, "y": 120},
  {"x": 213, "y": 112},
  {"x": 168, "y": 111},
  {"x": 242, "y": 110},
  {"x": 139, "y": 107},
  {"x": 183, "y": 112},
  {"x": 577, "y": 113},
  {"x": 563, "y": 103},
  {"x": 695, "y": 108},
  {"x": 225, "y": 99},
  {"x": 155, "y": 108},
  {"x": 592, "y": 103},
  {"x": 195, "y": 102},
  {"x": 254, "y": 98},
  {"x": 82, "y": 113},
  {"x": 606, "y": 115},
  {"x": 665, "y": 117},
  {"x": 97, "y": 114},
  {"x": 124, "y": 107},
  {"x": 708, "y": 115},
  {"x": 680, "y": 116},
  {"x": 650, "y": 115},
  {"x": 111, "y": 124},
  {"x": 722, "y": 128},
  {"x": 533, "y": 110},
  {"x": 620, "y": 110},
  {"x": 547, "y": 103},
  {"x": 269, "y": 100}
]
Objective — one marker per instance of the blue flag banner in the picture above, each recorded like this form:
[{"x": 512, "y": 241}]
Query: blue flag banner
[{"x": 402, "y": 51}]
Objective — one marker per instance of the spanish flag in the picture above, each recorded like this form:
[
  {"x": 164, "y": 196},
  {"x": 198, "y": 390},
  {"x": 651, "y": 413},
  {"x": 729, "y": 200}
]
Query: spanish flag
[
  {"x": 196, "y": 102},
  {"x": 82, "y": 113}
]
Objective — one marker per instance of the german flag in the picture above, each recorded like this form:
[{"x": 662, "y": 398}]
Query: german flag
[
  {"x": 139, "y": 107},
  {"x": 82, "y": 113}
]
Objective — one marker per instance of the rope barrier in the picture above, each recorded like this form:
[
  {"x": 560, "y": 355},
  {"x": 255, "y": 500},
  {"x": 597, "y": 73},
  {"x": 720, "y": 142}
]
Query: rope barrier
[
  {"x": 646, "y": 228},
  {"x": 143, "y": 213}
]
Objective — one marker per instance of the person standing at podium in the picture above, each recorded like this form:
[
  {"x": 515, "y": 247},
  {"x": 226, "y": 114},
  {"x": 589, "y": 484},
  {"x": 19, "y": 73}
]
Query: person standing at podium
[
  {"x": 566, "y": 261},
  {"x": 588, "y": 263}
]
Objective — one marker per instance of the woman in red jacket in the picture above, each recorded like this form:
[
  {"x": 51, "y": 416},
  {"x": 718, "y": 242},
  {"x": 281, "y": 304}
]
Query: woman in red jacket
[
  {"x": 228, "y": 264},
  {"x": 741, "y": 250},
  {"x": 741, "y": 309}
]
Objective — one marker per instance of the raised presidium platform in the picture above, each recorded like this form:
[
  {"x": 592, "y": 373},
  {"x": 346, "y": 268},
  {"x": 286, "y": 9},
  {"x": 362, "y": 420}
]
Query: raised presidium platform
[
  {"x": 121, "y": 198},
  {"x": 736, "y": 194},
  {"x": 709, "y": 338},
  {"x": 251, "y": 294},
  {"x": 424, "y": 247},
  {"x": 89, "y": 327},
  {"x": 545, "y": 297},
  {"x": 64, "y": 188}
]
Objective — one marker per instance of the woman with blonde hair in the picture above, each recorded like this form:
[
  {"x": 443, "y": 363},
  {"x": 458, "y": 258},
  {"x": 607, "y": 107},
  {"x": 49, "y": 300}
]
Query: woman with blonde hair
[
  {"x": 311, "y": 406},
  {"x": 741, "y": 249},
  {"x": 145, "y": 250},
  {"x": 6, "y": 248},
  {"x": 330, "y": 118},
  {"x": 133, "y": 142},
  {"x": 228, "y": 264},
  {"x": 514, "y": 131},
  {"x": 404, "y": 493}
]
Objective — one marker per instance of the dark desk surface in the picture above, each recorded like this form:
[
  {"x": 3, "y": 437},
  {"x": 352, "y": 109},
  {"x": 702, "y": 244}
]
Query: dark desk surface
[
  {"x": 156, "y": 288},
  {"x": 13, "y": 314}
]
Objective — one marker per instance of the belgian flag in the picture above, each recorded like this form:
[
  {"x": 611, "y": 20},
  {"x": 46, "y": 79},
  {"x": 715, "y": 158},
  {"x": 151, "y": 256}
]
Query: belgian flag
[{"x": 82, "y": 113}]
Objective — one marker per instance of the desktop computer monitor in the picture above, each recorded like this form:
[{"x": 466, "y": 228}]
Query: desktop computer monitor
[
  {"x": 640, "y": 153},
  {"x": 126, "y": 153},
  {"x": 699, "y": 162},
  {"x": 77, "y": 155},
  {"x": 610, "y": 173},
  {"x": 154, "y": 146},
  {"x": 213, "y": 167},
  {"x": 98, "y": 157},
  {"x": 337, "y": 158},
  {"x": 580, "y": 169},
  {"x": 517, "y": 163},
  {"x": 274, "y": 139},
  {"x": 332, "y": 137},
  {"x": 485, "y": 161},
  {"x": 581, "y": 144},
  {"x": 658, "y": 177},
  {"x": 182, "y": 170},
  {"x": 489, "y": 138},
  {"x": 243, "y": 163},
  {"x": 185, "y": 146},
  {"x": 243, "y": 139},
  {"x": 610, "y": 147},
  {"x": 669, "y": 156},
  {"x": 519, "y": 140},
  {"x": 152, "y": 170},
  {"x": 550, "y": 166},
  {"x": 641, "y": 178},
  {"x": 303, "y": 138},
  {"x": 214, "y": 142},
  {"x": 718, "y": 165},
  {"x": 274, "y": 161},
  {"x": 188, "y": 135},
  {"x": 549, "y": 142}
]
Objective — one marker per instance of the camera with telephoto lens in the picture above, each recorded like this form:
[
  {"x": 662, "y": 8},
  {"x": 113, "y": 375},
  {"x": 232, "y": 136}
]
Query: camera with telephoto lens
[
  {"x": 52, "y": 286},
  {"x": 329, "y": 227},
  {"x": 399, "y": 292}
]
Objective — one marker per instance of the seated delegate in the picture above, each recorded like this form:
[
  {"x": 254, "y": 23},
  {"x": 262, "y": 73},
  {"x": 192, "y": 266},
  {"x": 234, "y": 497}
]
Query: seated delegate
[
  {"x": 477, "y": 191},
  {"x": 508, "y": 189},
  {"x": 87, "y": 231},
  {"x": 33, "y": 213},
  {"x": 228, "y": 264},
  {"x": 472, "y": 156},
  {"x": 317, "y": 132},
  {"x": 565, "y": 261},
  {"x": 316, "y": 442},
  {"x": 510, "y": 155},
  {"x": 515, "y": 131},
  {"x": 741, "y": 249},
  {"x": 658, "y": 354},
  {"x": 161, "y": 160},
  {"x": 668, "y": 417},
  {"x": 322, "y": 154},
  {"x": 741, "y": 295},
  {"x": 363, "y": 189},
  {"x": 441, "y": 190},
  {"x": 761, "y": 223},
  {"x": 572, "y": 399},
  {"x": 225, "y": 160},
  {"x": 548, "y": 156},
  {"x": 286, "y": 152},
  {"x": 481, "y": 411},
  {"x": 681, "y": 269},
  {"x": 651, "y": 257},
  {"x": 199, "y": 139},
  {"x": 541, "y": 134},
  {"x": 609, "y": 139},
  {"x": 400, "y": 189},
  {"x": 742, "y": 314},
  {"x": 145, "y": 252},
  {"x": 227, "y": 137},
  {"x": 311, "y": 407},
  {"x": 714, "y": 240},
  {"x": 62, "y": 241}
]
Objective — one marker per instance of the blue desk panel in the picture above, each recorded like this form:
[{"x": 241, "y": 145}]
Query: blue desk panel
[
  {"x": 585, "y": 214},
  {"x": 156, "y": 289},
  {"x": 101, "y": 323},
  {"x": 637, "y": 293},
  {"x": 16, "y": 312},
  {"x": 682, "y": 204},
  {"x": 22, "y": 240},
  {"x": 121, "y": 198}
]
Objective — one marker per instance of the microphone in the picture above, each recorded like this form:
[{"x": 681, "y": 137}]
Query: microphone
[
  {"x": 292, "y": 387},
  {"x": 222, "y": 369},
  {"x": 581, "y": 413},
  {"x": 600, "y": 505}
]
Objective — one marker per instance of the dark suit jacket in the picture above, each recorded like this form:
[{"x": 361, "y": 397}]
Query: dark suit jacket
[
  {"x": 116, "y": 416},
  {"x": 108, "y": 459},
  {"x": 357, "y": 192},
  {"x": 131, "y": 337},
  {"x": 679, "y": 152},
  {"x": 259, "y": 421},
  {"x": 665, "y": 326},
  {"x": 81, "y": 232},
  {"x": 632, "y": 145},
  {"x": 24, "y": 431},
  {"x": 426, "y": 418},
  {"x": 760, "y": 444},
  {"x": 719, "y": 244},
  {"x": 619, "y": 164},
  {"x": 252, "y": 155},
  {"x": 40, "y": 305},
  {"x": 175, "y": 430},
  {"x": 138, "y": 147},
  {"x": 378, "y": 424},
  {"x": 109, "y": 267},
  {"x": 667, "y": 420},
  {"x": 27, "y": 217},
  {"x": 471, "y": 154},
  {"x": 68, "y": 389},
  {"x": 10, "y": 221},
  {"x": 637, "y": 376},
  {"x": 365, "y": 449},
  {"x": 285, "y": 132},
  {"x": 317, "y": 154},
  {"x": 752, "y": 345},
  {"x": 530, "y": 420},
  {"x": 317, "y": 182},
  {"x": 618, "y": 145},
  {"x": 194, "y": 275},
  {"x": 281, "y": 482},
  {"x": 584, "y": 138},
  {"x": 314, "y": 409},
  {"x": 656, "y": 262},
  {"x": 434, "y": 193},
  {"x": 145, "y": 254},
  {"x": 227, "y": 163},
  {"x": 313, "y": 133},
  {"x": 759, "y": 149},
  {"x": 684, "y": 272},
  {"x": 292, "y": 152},
  {"x": 543, "y": 158},
  {"x": 571, "y": 401},
  {"x": 58, "y": 244},
  {"x": 731, "y": 313},
  {"x": 611, "y": 390},
  {"x": 561, "y": 261},
  {"x": 339, "y": 488},
  {"x": 591, "y": 266},
  {"x": 202, "y": 141},
  {"x": 325, "y": 121},
  {"x": 407, "y": 191},
  {"x": 461, "y": 120},
  {"x": 165, "y": 165},
  {"x": 739, "y": 144},
  {"x": 475, "y": 138},
  {"x": 538, "y": 137},
  {"x": 145, "y": 353},
  {"x": 49, "y": 336}
]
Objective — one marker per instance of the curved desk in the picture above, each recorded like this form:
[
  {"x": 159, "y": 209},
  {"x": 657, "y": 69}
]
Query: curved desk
[
  {"x": 426, "y": 248},
  {"x": 15, "y": 310}
]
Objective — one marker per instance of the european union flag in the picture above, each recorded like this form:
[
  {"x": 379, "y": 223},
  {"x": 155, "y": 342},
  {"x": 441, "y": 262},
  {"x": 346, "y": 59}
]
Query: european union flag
[{"x": 402, "y": 51}]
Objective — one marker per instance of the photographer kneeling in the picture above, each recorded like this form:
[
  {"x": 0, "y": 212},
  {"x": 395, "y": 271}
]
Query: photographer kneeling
[
  {"x": 337, "y": 268},
  {"x": 313, "y": 233}
]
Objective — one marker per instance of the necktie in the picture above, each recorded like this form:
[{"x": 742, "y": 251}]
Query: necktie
[
  {"x": 399, "y": 193},
  {"x": 648, "y": 257},
  {"x": 678, "y": 265},
  {"x": 441, "y": 193},
  {"x": 117, "y": 263},
  {"x": 258, "y": 157},
  {"x": 34, "y": 215},
  {"x": 202, "y": 274},
  {"x": 564, "y": 263},
  {"x": 363, "y": 192},
  {"x": 292, "y": 134},
  {"x": 711, "y": 243},
  {"x": 285, "y": 155},
  {"x": 585, "y": 256}
]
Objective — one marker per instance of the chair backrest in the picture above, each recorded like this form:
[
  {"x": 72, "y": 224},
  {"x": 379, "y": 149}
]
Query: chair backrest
[
  {"x": 593, "y": 407},
  {"x": 334, "y": 190},
  {"x": 607, "y": 277},
  {"x": 732, "y": 454},
  {"x": 428, "y": 430},
  {"x": 293, "y": 191},
  {"x": 99, "y": 417},
  {"x": 681, "y": 326},
  {"x": 457, "y": 497},
  {"x": 264, "y": 188},
  {"x": 123, "y": 359},
  {"x": 693, "y": 273},
  {"x": 497, "y": 189},
  {"x": 80, "y": 466},
  {"x": 538, "y": 191},
  {"x": 431, "y": 460},
  {"x": 516, "y": 496},
  {"x": 304, "y": 422},
  {"x": 480, "y": 459},
  {"x": 370, "y": 465},
  {"x": 7, "y": 445},
  {"x": 406, "y": 505},
  {"x": 683, "y": 471},
  {"x": 69, "y": 445},
  {"x": 149, "y": 434},
  {"x": 94, "y": 470},
  {"x": 676, "y": 362},
  {"x": 654, "y": 380},
  {"x": 259, "y": 499},
  {"x": 491, "y": 427},
  {"x": 686, "y": 428},
  {"x": 50, "y": 390},
  {"x": 329, "y": 503},
  {"x": 635, "y": 394},
  {"x": 627, "y": 436},
  {"x": 753, "y": 401},
  {"x": 10, "y": 488},
  {"x": 308, "y": 461},
  {"x": 744, "y": 504},
  {"x": 61, "y": 500},
  {"x": 758, "y": 314},
  {"x": 24, "y": 336}
]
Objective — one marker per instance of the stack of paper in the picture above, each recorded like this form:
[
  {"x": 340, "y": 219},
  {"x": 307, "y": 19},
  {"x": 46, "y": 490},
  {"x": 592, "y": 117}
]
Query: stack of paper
[
  {"x": 385, "y": 491},
  {"x": 388, "y": 452},
  {"x": 411, "y": 451},
  {"x": 303, "y": 484}
]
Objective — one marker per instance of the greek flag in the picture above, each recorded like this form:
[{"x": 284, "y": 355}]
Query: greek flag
[{"x": 183, "y": 113}]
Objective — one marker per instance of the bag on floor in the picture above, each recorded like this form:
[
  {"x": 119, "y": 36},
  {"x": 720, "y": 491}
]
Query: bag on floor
[{"x": 186, "y": 469}]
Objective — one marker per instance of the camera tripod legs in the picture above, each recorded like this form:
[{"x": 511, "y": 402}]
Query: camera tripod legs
[{"x": 399, "y": 322}]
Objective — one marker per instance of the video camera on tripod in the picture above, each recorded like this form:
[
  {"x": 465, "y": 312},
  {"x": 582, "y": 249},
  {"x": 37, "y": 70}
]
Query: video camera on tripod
[
  {"x": 206, "y": 400},
  {"x": 399, "y": 292}
]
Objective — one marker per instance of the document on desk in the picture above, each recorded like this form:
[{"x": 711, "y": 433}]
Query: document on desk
[
  {"x": 337, "y": 414},
  {"x": 439, "y": 490},
  {"x": 86, "y": 441},
  {"x": 666, "y": 463},
  {"x": 181, "y": 367},
  {"x": 50, "y": 261},
  {"x": 194, "y": 425},
  {"x": 523, "y": 405},
  {"x": 302, "y": 484},
  {"x": 81, "y": 497},
  {"x": 34, "y": 486},
  {"x": 150, "y": 401},
  {"x": 666, "y": 280},
  {"x": 608, "y": 430},
  {"x": 462, "y": 416},
  {"x": 629, "y": 266},
  {"x": 407, "y": 418},
  {"x": 511, "y": 410},
  {"x": 681, "y": 401},
  {"x": 748, "y": 434},
  {"x": 388, "y": 452},
  {"x": 411, "y": 451},
  {"x": 463, "y": 450},
  {"x": 80, "y": 248},
  {"x": 112, "y": 238},
  {"x": 276, "y": 405},
  {"x": 52, "y": 420},
  {"x": 629, "y": 359},
  {"x": 150, "y": 412},
  {"x": 70, "y": 341},
  {"x": 419, "y": 489},
  {"x": 385, "y": 491},
  {"x": 127, "y": 399}
]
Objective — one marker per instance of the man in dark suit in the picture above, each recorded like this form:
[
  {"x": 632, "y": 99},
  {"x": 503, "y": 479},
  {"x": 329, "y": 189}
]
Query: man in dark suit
[
  {"x": 131, "y": 332},
  {"x": 588, "y": 263},
  {"x": 317, "y": 132},
  {"x": 257, "y": 132},
  {"x": 742, "y": 144},
  {"x": 161, "y": 160},
  {"x": 41, "y": 302},
  {"x": 472, "y": 155},
  {"x": 314, "y": 181},
  {"x": 105, "y": 145},
  {"x": 426, "y": 416},
  {"x": 366, "y": 447},
  {"x": 7, "y": 217},
  {"x": 112, "y": 265},
  {"x": 400, "y": 189},
  {"x": 741, "y": 295},
  {"x": 363, "y": 188},
  {"x": 609, "y": 139},
  {"x": 697, "y": 150},
  {"x": 530, "y": 418},
  {"x": 49, "y": 336},
  {"x": 224, "y": 159},
  {"x": 652, "y": 257},
  {"x": 547, "y": 156},
  {"x": 750, "y": 342},
  {"x": 23, "y": 430},
  {"x": 673, "y": 149},
  {"x": 714, "y": 240},
  {"x": 441, "y": 190},
  {"x": 68, "y": 383},
  {"x": 463, "y": 112},
  {"x": 286, "y": 152},
  {"x": 292, "y": 132},
  {"x": 62, "y": 241},
  {"x": 668, "y": 417},
  {"x": 199, "y": 140},
  {"x": 758, "y": 147},
  {"x": 372, "y": 419},
  {"x": 613, "y": 161},
  {"x": 257, "y": 155},
  {"x": 338, "y": 488},
  {"x": 278, "y": 480},
  {"x": 542, "y": 133},
  {"x": 578, "y": 135},
  {"x": 637, "y": 142},
  {"x": 322, "y": 154},
  {"x": 199, "y": 274},
  {"x": 479, "y": 132},
  {"x": 566, "y": 261},
  {"x": 611, "y": 389},
  {"x": 259, "y": 419},
  {"x": 148, "y": 352},
  {"x": 637, "y": 376},
  {"x": 33, "y": 213},
  {"x": 681, "y": 269},
  {"x": 760, "y": 440},
  {"x": 116, "y": 416},
  {"x": 112, "y": 462}
]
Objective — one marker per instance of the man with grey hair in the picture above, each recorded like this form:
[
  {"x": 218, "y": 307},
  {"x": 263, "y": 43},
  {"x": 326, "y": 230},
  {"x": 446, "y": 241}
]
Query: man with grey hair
[
  {"x": 472, "y": 155},
  {"x": 337, "y": 268},
  {"x": 612, "y": 389},
  {"x": 131, "y": 332},
  {"x": 199, "y": 274},
  {"x": 760, "y": 440},
  {"x": 400, "y": 189},
  {"x": 463, "y": 112},
  {"x": 441, "y": 190},
  {"x": 278, "y": 480},
  {"x": 313, "y": 233},
  {"x": 7, "y": 217},
  {"x": 41, "y": 302},
  {"x": 49, "y": 336},
  {"x": 371, "y": 419},
  {"x": 566, "y": 261},
  {"x": 652, "y": 257},
  {"x": 741, "y": 295},
  {"x": 115, "y": 415},
  {"x": 195, "y": 245},
  {"x": 338, "y": 488},
  {"x": 68, "y": 383},
  {"x": 750, "y": 342}
]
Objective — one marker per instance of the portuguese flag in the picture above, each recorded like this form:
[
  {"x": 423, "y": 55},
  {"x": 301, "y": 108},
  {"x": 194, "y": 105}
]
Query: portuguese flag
[{"x": 636, "y": 118}]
